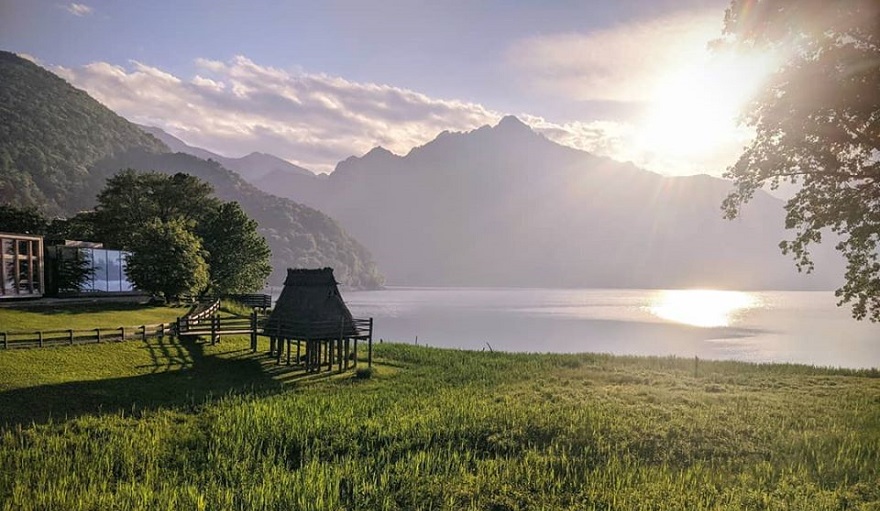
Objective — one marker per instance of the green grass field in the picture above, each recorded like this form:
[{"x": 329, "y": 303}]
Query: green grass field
[
  {"x": 84, "y": 316},
  {"x": 144, "y": 425}
]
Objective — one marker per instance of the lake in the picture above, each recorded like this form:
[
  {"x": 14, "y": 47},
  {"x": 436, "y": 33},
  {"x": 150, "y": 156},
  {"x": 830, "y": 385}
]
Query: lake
[{"x": 761, "y": 326}]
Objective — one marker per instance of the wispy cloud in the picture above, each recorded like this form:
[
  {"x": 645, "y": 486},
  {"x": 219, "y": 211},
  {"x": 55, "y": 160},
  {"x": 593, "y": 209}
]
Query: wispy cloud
[
  {"x": 621, "y": 63},
  {"x": 78, "y": 9},
  {"x": 239, "y": 106},
  {"x": 315, "y": 120}
]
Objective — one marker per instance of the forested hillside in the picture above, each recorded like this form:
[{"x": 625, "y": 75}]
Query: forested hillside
[
  {"x": 58, "y": 145},
  {"x": 51, "y": 134}
]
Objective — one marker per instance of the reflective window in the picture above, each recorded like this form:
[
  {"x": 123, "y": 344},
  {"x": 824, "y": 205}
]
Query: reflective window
[
  {"x": 24, "y": 279},
  {"x": 100, "y": 260},
  {"x": 9, "y": 275},
  {"x": 125, "y": 284}
]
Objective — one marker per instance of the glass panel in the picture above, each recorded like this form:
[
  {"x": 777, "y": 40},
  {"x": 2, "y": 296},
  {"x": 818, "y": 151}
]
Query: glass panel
[
  {"x": 36, "y": 263},
  {"x": 9, "y": 275},
  {"x": 114, "y": 270},
  {"x": 125, "y": 284},
  {"x": 89, "y": 283},
  {"x": 24, "y": 247},
  {"x": 101, "y": 281},
  {"x": 24, "y": 281}
]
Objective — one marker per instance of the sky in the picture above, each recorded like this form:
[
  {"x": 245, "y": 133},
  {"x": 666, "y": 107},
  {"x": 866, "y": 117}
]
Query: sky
[{"x": 316, "y": 82}]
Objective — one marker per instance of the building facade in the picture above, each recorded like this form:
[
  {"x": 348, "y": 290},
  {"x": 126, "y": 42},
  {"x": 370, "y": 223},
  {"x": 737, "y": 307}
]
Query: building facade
[{"x": 21, "y": 266}]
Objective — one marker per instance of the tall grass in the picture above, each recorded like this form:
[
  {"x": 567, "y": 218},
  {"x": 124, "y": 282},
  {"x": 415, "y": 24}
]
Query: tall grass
[{"x": 443, "y": 429}]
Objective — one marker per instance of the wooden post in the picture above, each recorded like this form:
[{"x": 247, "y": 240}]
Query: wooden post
[
  {"x": 70, "y": 336},
  {"x": 5, "y": 341},
  {"x": 355, "y": 351},
  {"x": 288, "y": 351},
  {"x": 98, "y": 334},
  {"x": 144, "y": 333},
  {"x": 214, "y": 330},
  {"x": 122, "y": 333},
  {"x": 347, "y": 351},
  {"x": 254, "y": 331},
  {"x": 339, "y": 354},
  {"x": 330, "y": 355},
  {"x": 370, "y": 345},
  {"x": 40, "y": 336},
  {"x": 178, "y": 327},
  {"x": 298, "y": 354}
]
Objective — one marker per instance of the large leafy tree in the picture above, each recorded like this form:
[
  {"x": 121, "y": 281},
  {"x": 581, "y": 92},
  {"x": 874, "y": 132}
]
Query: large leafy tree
[
  {"x": 167, "y": 259},
  {"x": 132, "y": 199},
  {"x": 817, "y": 123},
  {"x": 238, "y": 256}
]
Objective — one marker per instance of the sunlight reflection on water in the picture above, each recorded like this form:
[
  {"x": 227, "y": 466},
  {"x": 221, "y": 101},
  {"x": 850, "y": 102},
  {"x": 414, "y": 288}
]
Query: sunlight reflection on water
[
  {"x": 702, "y": 307},
  {"x": 758, "y": 326}
]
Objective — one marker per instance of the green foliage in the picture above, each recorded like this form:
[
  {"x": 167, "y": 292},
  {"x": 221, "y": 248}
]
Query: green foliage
[
  {"x": 167, "y": 259},
  {"x": 50, "y": 135},
  {"x": 81, "y": 226},
  {"x": 441, "y": 429},
  {"x": 237, "y": 255},
  {"x": 818, "y": 125},
  {"x": 132, "y": 199},
  {"x": 298, "y": 236},
  {"x": 26, "y": 220}
]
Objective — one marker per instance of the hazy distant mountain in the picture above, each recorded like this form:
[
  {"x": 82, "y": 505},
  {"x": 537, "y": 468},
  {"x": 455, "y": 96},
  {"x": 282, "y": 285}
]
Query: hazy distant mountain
[
  {"x": 505, "y": 206},
  {"x": 252, "y": 167},
  {"x": 58, "y": 145}
]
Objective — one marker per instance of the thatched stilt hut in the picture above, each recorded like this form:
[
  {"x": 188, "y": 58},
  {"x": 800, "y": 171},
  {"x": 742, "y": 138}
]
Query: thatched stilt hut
[{"x": 311, "y": 313}]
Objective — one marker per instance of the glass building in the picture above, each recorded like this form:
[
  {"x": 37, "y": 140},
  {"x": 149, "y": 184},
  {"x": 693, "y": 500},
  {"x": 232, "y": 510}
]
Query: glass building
[
  {"x": 21, "y": 266},
  {"x": 79, "y": 268}
]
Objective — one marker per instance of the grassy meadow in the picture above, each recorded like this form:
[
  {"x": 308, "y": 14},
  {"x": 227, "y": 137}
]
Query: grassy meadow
[{"x": 185, "y": 425}]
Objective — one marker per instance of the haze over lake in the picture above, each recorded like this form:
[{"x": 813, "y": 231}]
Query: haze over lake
[{"x": 757, "y": 326}]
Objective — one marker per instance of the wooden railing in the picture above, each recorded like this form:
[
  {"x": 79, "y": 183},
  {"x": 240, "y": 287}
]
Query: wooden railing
[
  {"x": 252, "y": 300},
  {"x": 41, "y": 338}
]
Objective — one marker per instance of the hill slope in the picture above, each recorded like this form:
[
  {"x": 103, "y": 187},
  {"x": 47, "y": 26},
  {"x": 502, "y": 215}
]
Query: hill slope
[
  {"x": 46, "y": 144},
  {"x": 58, "y": 145},
  {"x": 505, "y": 206}
]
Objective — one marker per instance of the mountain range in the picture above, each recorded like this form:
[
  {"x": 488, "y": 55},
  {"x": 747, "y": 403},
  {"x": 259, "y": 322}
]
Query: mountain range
[
  {"x": 497, "y": 206},
  {"x": 58, "y": 145},
  {"x": 505, "y": 206}
]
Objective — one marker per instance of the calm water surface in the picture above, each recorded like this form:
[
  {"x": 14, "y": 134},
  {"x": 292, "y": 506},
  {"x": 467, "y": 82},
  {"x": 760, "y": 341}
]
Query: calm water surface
[{"x": 766, "y": 326}]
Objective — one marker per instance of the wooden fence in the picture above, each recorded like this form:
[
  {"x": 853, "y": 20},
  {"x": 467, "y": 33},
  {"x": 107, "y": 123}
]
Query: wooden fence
[
  {"x": 323, "y": 338},
  {"x": 41, "y": 338}
]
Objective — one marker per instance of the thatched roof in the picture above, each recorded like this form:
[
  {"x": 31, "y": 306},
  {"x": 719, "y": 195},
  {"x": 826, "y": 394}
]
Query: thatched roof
[{"x": 311, "y": 308}]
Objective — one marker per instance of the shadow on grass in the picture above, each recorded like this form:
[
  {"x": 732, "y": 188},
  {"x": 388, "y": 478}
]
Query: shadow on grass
[{"x": 196, "y": 378}]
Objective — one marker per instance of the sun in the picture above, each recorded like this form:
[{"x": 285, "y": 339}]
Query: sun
[{"x": 695, "y": 106}]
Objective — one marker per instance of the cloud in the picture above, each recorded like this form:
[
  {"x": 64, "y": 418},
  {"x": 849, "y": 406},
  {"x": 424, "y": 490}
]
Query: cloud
[
  {"x": 28, "y": 56},
  {"x": 237, "y": 107},
  {"x": 316, "y": 120},
  {"x": 620, "y": 63},
  {"x": 78, "y": 9}
]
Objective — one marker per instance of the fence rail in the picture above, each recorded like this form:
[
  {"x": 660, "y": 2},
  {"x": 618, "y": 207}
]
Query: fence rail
[
  {"x": 253, "y": 300},
  {"x": 41, "y": 338}
]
